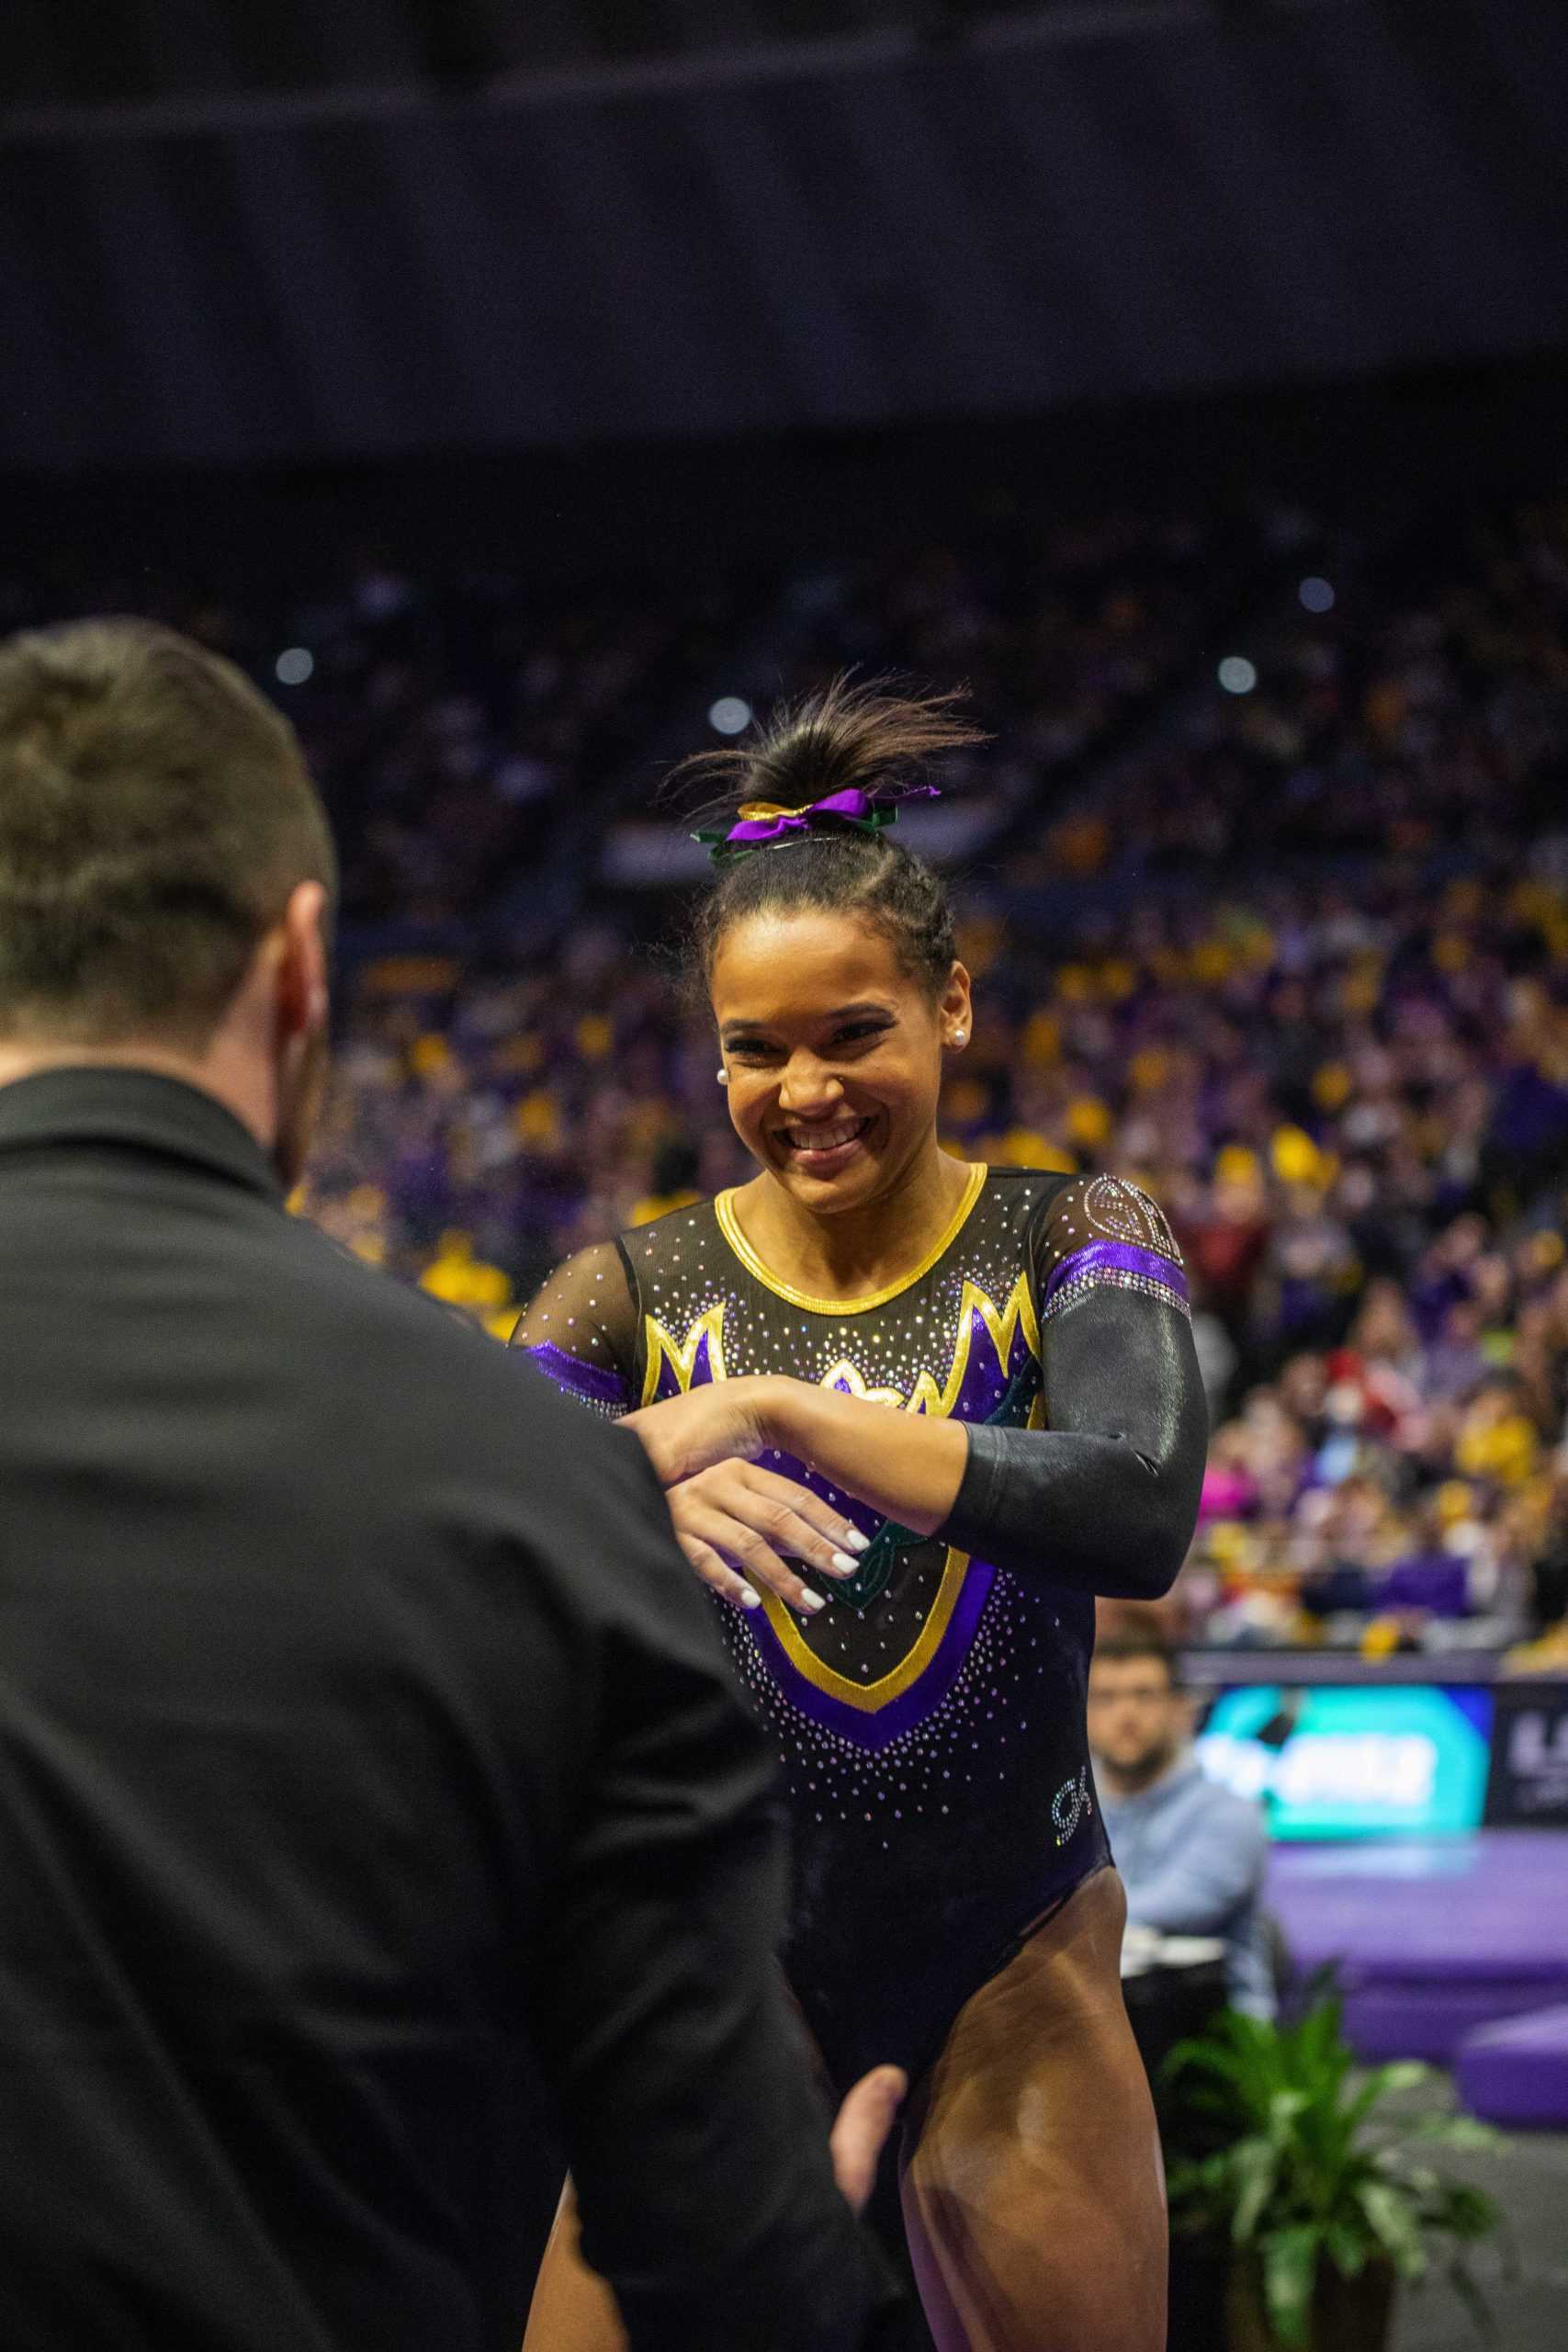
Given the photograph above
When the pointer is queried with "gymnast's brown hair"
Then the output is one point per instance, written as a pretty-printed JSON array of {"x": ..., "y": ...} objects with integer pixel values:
[{"x": 850, "y": 738}]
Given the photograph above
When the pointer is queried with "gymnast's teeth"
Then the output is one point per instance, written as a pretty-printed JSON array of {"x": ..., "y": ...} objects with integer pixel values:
[{"x": 824, "y": 1138}]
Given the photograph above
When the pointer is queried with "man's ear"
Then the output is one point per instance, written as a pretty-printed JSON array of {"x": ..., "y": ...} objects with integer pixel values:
[{"x": 303, "y": 999}]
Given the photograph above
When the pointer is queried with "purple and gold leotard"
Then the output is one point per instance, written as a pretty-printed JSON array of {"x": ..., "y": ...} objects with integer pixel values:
[{"x": 929, "y": 1722}]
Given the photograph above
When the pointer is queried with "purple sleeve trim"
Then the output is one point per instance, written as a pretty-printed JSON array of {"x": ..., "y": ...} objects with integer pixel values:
[
  {"x": 1107, "y": 1260},
  {"x": 589, "y": 1381}
]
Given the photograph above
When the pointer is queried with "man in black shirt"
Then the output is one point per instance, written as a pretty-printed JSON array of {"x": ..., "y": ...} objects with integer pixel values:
[{"x": 368, "y": 1766}]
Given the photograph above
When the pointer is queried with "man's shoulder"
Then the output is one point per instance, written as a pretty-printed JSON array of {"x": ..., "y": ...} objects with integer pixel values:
[
  {"x": 448, "y": 1423},
  {"x": 392, "y": 1329},
  {"x": 318, "y": 1266}
]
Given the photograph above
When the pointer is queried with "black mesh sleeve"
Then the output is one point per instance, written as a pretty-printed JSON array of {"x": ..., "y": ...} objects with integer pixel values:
[
  {"x": 581, "y": 1330},
  {"x": 1105, "y": 1498}
]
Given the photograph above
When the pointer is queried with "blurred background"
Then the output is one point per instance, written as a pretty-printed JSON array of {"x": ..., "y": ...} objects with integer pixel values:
[{"x": 527, "y": 396}]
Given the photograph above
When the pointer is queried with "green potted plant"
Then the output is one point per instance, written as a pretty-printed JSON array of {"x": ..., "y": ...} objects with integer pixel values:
[{"x": 1276, "y": 2147}]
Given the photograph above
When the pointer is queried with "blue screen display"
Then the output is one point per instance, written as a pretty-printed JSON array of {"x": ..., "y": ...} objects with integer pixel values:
[{"x": 1361, "y": 1760}]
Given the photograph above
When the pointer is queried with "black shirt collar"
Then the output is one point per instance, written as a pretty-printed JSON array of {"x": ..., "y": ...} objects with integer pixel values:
[{"x": 139, "y": 1108}]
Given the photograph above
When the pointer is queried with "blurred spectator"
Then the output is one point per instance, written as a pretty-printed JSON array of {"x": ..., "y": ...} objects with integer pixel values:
[
  {"x": 676, "y": 1167},
  {"x": 1191, "y": 1854}
]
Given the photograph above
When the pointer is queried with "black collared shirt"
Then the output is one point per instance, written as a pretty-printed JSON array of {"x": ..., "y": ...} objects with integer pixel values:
[{"x": 368, "y": 1773}]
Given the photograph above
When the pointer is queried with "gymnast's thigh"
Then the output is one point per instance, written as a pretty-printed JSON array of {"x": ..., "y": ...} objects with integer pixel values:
[
  {"x": 572, "y": 2309},
  {"x": 1033, "y": 2192}
]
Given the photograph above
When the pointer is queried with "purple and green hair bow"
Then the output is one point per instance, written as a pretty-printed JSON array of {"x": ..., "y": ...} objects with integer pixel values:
[{"x": 762, "y": 824}]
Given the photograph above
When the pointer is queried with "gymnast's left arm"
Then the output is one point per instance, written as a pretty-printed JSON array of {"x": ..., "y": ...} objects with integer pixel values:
[{"x": 1104, "y": 1498}]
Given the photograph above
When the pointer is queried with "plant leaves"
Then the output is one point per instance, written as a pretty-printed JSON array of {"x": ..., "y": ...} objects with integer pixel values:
[
  {"x": 1466, "y": 2133},
  {"x": 1303, "y": 2176},
  {"x": 1290, "y": 2276},
  {"x": 1289, "y": 2126},
  {"x": 1348, "y": 2248},
  {"x": 1393, "y": 2223},
  {"x": 1317, "y": 2055},
  {"x": 1202, "y": 2058},
  {"x": 1467, "y": 2213},
  {"x": 1404, "y": 2074},
  {"x": 1428, "y": 2187},
  {"x": 1255, "y": 2165}
]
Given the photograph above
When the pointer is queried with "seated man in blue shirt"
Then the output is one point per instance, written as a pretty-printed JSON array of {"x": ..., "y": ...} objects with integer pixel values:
[{"x": 1191, "y": 1853}]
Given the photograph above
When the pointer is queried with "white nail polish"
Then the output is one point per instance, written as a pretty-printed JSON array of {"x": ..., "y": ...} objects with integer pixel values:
[
  {"x": 749, "y": 1599},
  {"x": 811, "y": 1603},
  {"x": 842, "y": 1564},
  {"x": 856, "y": 1541}
]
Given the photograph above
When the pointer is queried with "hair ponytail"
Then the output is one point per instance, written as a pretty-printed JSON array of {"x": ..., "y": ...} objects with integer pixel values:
[{"x": 847, "y": 741}]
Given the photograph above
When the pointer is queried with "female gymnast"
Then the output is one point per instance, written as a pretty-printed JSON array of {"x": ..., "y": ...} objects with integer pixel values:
[{"x": 912, "y": 1414}]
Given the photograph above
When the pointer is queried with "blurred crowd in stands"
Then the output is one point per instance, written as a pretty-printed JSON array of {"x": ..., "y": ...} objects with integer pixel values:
[{"x": 1275, "y": 919}]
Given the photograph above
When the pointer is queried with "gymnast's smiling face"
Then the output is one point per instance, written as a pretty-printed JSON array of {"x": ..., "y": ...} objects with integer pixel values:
[{"x": 833, "y": 1050}]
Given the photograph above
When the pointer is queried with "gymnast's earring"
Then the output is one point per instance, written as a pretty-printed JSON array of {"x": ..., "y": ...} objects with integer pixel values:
[
  {"x": 723, "y": 1077},
  {"x": 958, "y": 1037}
]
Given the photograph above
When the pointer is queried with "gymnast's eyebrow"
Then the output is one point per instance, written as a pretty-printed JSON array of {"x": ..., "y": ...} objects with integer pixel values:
[{"x": 734, "y": 1030}]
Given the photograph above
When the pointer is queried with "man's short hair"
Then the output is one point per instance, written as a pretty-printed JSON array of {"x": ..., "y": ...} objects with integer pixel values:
[
  {"x": 155, "y": 813},
  {"x": 1136, "y": 1637}
]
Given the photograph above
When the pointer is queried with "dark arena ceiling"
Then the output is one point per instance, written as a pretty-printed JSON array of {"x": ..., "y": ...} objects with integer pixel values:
[
  {"x": 285, "y": 231},
  {"x": 82, "y": 52}
]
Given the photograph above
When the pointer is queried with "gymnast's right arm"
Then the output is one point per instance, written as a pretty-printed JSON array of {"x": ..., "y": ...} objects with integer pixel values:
[
  {"x": 580, "y": 1330},
  {"x": 734, "y": 1521}
]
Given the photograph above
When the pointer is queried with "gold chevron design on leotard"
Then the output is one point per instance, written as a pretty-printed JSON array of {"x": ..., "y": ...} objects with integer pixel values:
[
  {"x": 849, "y": 1378},
  {"x": 681, "y": 1355},
  {"x": 868, "y": 1697},
  {"x": 1001, "y": 1328}
]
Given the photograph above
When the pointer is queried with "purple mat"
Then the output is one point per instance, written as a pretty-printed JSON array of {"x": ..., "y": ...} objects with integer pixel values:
[
  {"x": 1517, "y": 2073},
  {"x": 1432, "y": 1939}
]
